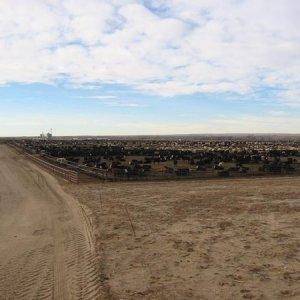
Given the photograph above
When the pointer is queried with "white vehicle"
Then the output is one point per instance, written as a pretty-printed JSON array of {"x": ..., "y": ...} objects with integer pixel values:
[{"x": 61, "y": 160}]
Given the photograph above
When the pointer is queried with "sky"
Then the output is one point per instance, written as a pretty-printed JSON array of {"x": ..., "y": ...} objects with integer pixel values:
[{"x": 121, "y": 67}]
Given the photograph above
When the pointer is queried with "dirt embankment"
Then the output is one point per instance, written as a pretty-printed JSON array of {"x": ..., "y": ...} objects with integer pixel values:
[
  {"x": 218, "y": 239},
  {"x": 46, "y": 250}
]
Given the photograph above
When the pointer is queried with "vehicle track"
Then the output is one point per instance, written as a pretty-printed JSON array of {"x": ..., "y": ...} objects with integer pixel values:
[{"x": 46, "y": 251}]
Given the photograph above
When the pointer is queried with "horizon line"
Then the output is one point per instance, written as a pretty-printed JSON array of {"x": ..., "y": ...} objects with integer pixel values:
[{"x": 147, "y": 135}]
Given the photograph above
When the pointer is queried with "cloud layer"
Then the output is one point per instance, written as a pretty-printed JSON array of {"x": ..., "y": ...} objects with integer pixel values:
[{"x": 169, "y": 47}]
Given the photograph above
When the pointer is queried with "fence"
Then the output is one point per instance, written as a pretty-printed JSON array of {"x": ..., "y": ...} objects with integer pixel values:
[
  {"x": 66, "y": 174},
  {"x": 89, "y": 171},
  {"x": 69, "y": 175}
]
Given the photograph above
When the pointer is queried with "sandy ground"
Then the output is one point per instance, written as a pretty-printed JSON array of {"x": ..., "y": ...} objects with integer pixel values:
[
  {"x": 214, "y": 239},
  {"x": 45, "y": 247}
]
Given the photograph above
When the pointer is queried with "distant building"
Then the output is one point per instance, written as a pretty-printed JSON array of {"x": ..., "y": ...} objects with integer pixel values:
[{"x": 47, "y": 136}]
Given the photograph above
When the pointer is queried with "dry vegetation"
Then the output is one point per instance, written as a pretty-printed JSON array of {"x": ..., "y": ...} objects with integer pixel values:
[{"x": 215, "y": 239}]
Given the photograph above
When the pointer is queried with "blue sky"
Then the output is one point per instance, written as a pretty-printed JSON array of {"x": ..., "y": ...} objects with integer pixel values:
[{"x": 149, "y": 67}]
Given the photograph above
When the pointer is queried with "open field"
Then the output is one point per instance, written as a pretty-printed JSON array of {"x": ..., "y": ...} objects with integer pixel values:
[
  {"x": 214, "y": 239},
  {"x": 46, "y": 250}
]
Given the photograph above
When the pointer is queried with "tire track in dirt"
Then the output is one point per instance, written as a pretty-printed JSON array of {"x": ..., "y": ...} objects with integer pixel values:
[{"x": 46, "y": 251}]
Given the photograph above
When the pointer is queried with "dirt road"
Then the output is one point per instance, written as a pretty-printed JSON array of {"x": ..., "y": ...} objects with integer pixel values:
[{"x": 45, "y": 247}]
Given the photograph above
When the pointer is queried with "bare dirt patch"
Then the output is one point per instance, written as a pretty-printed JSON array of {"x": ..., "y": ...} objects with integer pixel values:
[{"x": 217, "y": 239}]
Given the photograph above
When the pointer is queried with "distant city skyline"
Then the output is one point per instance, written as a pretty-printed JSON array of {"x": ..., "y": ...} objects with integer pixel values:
[{"x": 102, "y": 67}]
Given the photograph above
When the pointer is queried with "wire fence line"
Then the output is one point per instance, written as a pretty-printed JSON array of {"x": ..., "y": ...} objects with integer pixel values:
[{"x": 67, "y": 174}]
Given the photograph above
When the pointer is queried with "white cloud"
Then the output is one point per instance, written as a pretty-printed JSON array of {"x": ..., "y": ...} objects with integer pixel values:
[
  {"x": 166, "y": 47},
  {"x": 291, "y": 97},
  {"x": 112, "y": 100},
  {"x": 99, "y": 97}
]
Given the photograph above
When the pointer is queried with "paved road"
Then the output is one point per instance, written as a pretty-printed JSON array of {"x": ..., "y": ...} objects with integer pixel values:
[{"x": 45, "y": 245}]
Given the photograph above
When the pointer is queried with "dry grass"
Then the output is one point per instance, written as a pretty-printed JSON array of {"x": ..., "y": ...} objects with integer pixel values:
[{"x": 217, "y": 239}]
